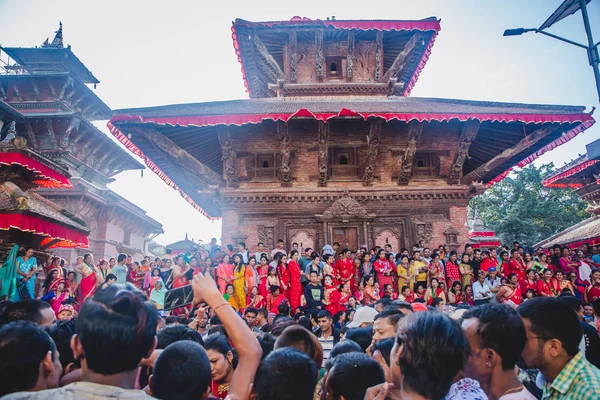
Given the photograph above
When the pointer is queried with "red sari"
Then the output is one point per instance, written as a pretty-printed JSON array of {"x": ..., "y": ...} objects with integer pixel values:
[
  {"x": 283, "y": 273},
  {"x": 295, "y": 285},
  {"x": 87, "y": 286},
  {"x": 438, "y": 293},
  {"x": 545, "y": 287},
  {"x": 345, "y": 270},
  {"x": 332, "y": 299},
  {"x": 382, "y": 267},
  {"x": 224, "y": 276},
  {"x": 452, "y": 273},
  {"x": 262, "y": 286}
]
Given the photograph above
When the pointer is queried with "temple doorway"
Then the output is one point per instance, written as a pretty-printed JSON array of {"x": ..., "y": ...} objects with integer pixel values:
[
  {"x": 346, "y": 237},
  {"x": 387, "y": 236}
]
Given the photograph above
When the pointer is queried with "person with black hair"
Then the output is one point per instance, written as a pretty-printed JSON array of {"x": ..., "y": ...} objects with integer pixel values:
[
  {"x": 262, "y": 322},
  {"x": 362, "y": 336},
  {"x": 61, "y": 333},
  {"x": 344, "y": 347},
  {"x": 380, "y": 351},
  {"x": 182, "y": 371},
  {"x": 31, "y": 310},
  {"x": 250, "y": 315},
  {"x": 385, "y": 323},
  {"x": 267, "y": 343},
  {"x": 171, "y": 320},
  {"x": 284, "y": 309},
  {"x": 313, "y": 293},
  {"x": 403, "y": 306},
  {"x": 429, "y": 352},
  {"x": 301, "y": 339},
  {"x": 590, "y": 343},
  {"x": 328, "y": 336},
  {"x": 120, "y": 270},
  {"x": 115, "y": 331},
  {"x": 29, "y": 361},
  {"x": 286, "y": 374},
  {"x": 496, "y": 335},
  {"x": 219, "y": 349},
  {"x": 352, "y": 375},
  {"x": 175, "y": 333},
  {"x": 553, "y": 335}
]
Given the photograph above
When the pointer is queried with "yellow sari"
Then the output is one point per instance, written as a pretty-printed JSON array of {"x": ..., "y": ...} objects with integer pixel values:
[{"x": 238, "y": 285}]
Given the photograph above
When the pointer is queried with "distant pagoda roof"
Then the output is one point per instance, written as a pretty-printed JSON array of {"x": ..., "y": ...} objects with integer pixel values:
[
  {"x": 504, "y": 124},
  {"x": 569, "y": 175},
  {"x": 275, "y": 34},
  {"x": 480, "y": 236},
  {"x": 585, "y": 232}
]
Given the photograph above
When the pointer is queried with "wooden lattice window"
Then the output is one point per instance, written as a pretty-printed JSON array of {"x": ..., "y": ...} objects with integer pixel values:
[
  {"x": 266, "y": 166},
  {"x": 343, "y": 162},
  {"x": 426, "y": 165},
  {"x": 334, "y": 67}
]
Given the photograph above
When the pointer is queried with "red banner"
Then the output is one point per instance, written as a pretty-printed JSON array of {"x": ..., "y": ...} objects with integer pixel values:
[
  {"x": 37, "y": 226},
  {"x": 45, "y": 176}
]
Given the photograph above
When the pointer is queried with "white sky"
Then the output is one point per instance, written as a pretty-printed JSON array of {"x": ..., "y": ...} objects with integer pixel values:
[{"x": 148, "y": 53}]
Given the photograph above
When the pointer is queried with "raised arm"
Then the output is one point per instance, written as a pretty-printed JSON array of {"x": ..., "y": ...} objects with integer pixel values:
[{"x": 242, "y": 338}]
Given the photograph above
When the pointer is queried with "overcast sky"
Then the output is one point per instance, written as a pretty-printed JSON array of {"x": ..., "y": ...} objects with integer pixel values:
[{"x": 148, "y": 53}]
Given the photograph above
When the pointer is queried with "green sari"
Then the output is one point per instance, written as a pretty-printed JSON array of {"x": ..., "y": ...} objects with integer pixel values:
[{"x": 8, "y": 276}]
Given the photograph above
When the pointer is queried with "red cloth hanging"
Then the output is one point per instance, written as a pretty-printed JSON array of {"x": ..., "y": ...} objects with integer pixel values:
[
  {"x": 45, "y": 176},
  {"x": 29, "y": 223}
]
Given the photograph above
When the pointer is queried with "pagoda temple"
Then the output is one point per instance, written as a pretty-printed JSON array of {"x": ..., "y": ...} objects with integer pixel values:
[
  {"x": 331, "y": 148},
  {"x": 26, "y": 218},
  {"x": 583, "y": 176},
  {"x": 48, "y": 86}
]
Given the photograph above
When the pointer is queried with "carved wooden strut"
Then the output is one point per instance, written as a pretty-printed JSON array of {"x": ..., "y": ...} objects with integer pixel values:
[
  {"x": 401, "y": 58},
  {"x": 372, "y": 150},
  {"x": 350, "y": 56},
  {"x": 284, "y": 143},
  {"x": 229, "y": 172},
  {"x": 468, "y": 135},
  {"x": 319, "y": 57},
  {"x": 293, "y": 56},
  {"x": 323, "y": 152},
  {"x": 415, "y": 129}
]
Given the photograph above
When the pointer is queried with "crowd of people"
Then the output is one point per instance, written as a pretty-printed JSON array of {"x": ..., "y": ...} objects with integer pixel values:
[{"x": 330, "y": 323}]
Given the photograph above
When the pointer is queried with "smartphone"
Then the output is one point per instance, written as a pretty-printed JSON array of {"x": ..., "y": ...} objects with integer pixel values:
[{"x": 175, "y": 298}]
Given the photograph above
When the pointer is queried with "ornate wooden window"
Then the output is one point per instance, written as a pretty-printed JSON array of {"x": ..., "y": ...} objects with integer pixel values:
[
  {"x": 266, "y": 166},
  {"x": 343, "y": 163},
  {"x": 334, "y": 67},
  {"x": 426, "y": 165},
  {"x": 127, "y": 237}
]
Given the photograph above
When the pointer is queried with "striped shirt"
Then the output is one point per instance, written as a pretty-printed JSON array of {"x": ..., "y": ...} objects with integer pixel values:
[
  {"x": 578, "y": 380},
  {"x": 327, "y": 345}
]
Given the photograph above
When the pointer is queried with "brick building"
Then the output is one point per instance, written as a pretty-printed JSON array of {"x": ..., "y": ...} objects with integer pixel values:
[
  {"x": 329, "y": 147},
  {"x": 48, "y": 85}
]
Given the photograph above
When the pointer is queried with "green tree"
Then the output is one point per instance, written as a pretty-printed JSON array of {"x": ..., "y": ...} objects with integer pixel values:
[{"x": 521, "y": 208}]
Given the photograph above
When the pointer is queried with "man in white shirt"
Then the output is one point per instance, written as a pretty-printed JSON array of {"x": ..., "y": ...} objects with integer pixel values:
[
  {"x": 493, "y": 282},
  {"x": 279, "y": 249},
  {"x": 244, "y": 252},
  {"x": 481, "y": 291},
  {"x": 260, "y": 249}
]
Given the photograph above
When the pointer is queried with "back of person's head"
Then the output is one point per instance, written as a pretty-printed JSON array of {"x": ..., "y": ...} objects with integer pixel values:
[
  {"x": 175, "y": 333},
  {"x": 26, "y": 352},
  {"x": 362, "y": 336},
  {"x": 575, "y": 303},
  {"x": 116, "y": 330},
  {"x": 384, "y": 347},
  {"x": 171, "y": 320},
  {"x": 61, "y": 333},
  {"x": 121, "y": 258},
  {"x": 552, "y": 318},
  {"x": 352, "y": 374},
  {"x": 217, "y": 329},
  {"x": 283, "y": 308},
  {"x": 305, "y": 322},
  {"x": 345, "y": 346},
  {"x": 302, "y": 339},
  {"x": 267, "y": 343},
  {"x": 501, "y": 329},
  {"x": 28, "y": 310},
  {"x": 400, "y": 305},
  {"x": 286, "y": 374},
  {"x": 432, "y": 349},
  {"x": 182, "y": 371},
  {"x": 392, "y": 316}
]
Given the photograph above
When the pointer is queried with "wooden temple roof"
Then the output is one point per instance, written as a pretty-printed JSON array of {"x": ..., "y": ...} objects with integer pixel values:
[
  {"x": 585, "y": 232},
  {"x": 193, "y": 128},
  {"x": 275, "y": 36}
]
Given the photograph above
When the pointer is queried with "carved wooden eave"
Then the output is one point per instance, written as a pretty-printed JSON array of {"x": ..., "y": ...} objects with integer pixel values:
[
  {"x": 345, "y": 209},
  {"x": 340, "y": 88},
  {"x": 479, "y": 173},
  {"x": 468, "y": 135},
  {"x": 415, "y": 129}
]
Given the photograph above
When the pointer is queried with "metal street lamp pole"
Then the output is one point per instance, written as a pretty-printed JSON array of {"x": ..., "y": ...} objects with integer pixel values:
[{"x": 591, "y": 48}]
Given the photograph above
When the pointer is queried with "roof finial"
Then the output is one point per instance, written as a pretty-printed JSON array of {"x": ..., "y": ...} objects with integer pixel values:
[
  {"x": 58, "y": 38},
  {"x": 186, "y": 236}
]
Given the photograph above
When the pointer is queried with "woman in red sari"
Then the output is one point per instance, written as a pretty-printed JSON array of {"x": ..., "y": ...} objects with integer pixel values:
[
  {"x": 434, "y": 291},
  {"x": 510, "y": 293},
  {"x": 369, "y": 295},
  {"x": 452, "y": 270},
  {"x": 283, "y": 273},
  {"x": 545, "y": 285},
  {"x": 224, "y": 274},
  {"x": 383, "y": 269},
  {"x": 529, "y": 282},
  {"x": 88, "y": 283},
  {"x": 345, "y": 294},
  {"x": 295, "y": 284},
  {"x": 255, "y": 299},
  {"x": 331, "y": 296},
  {"x": 263, "y": 273}
]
